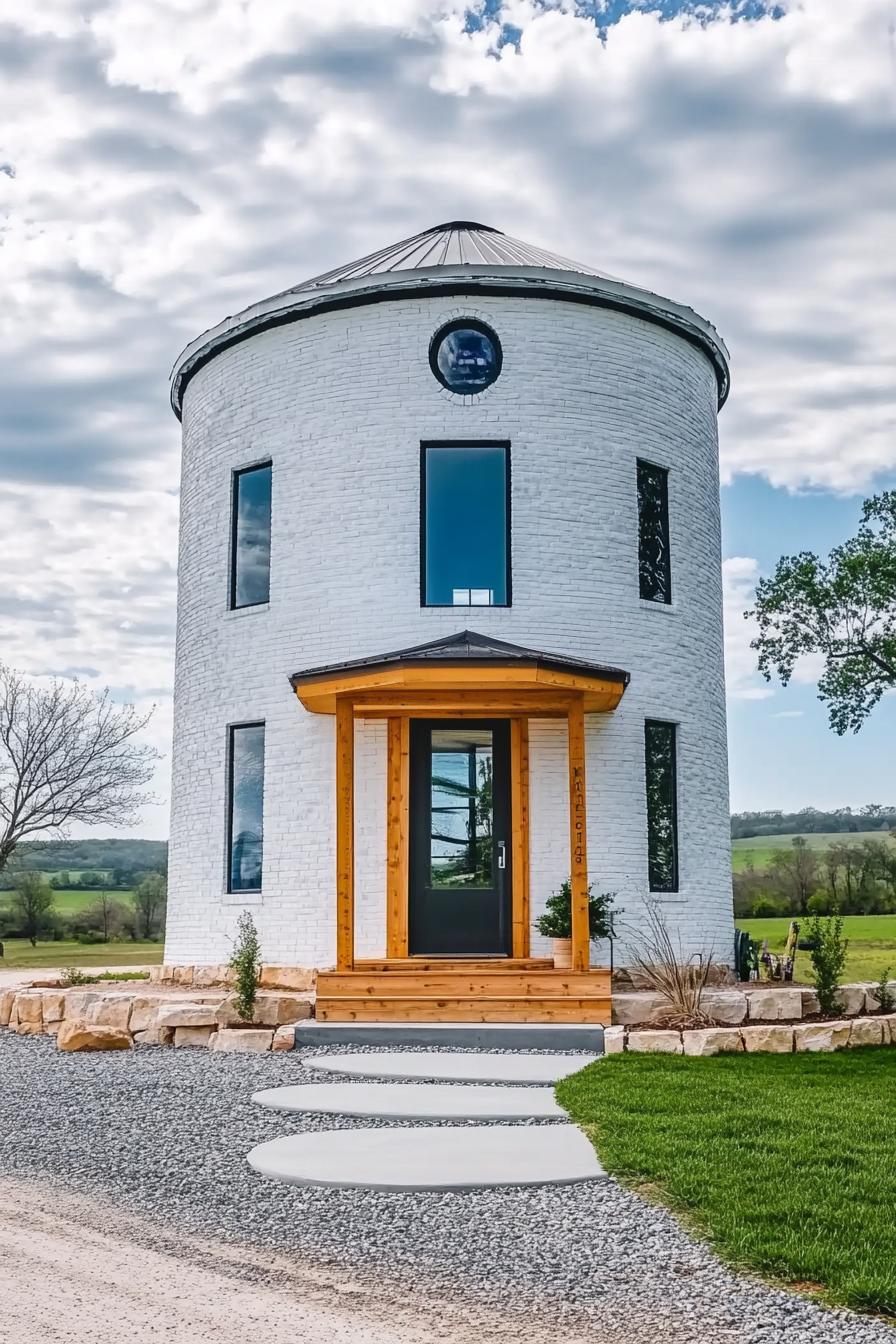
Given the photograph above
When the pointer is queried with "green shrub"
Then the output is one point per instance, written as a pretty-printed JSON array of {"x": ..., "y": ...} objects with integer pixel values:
[
  {"x": 764, "y": 907},
  {"x": 556, "y": 922},
  {"x": 828, "y": 959},
  {"x": 883, "y": 993},
  {"x": 246, "y": 961},
  {"x": 820, "y": 903}
]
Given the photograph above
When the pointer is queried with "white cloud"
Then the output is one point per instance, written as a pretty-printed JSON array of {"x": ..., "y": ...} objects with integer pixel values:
[
  {"x": 170, "y": 161},
  {"x": 739, "y": 576}
]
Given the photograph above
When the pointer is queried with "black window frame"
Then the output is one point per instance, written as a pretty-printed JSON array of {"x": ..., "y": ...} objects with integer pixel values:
[
  {"x": 235, "y": 476},
  {"x": 674, "y": 883},
  {"x": 233, "y": 728},
  {"x": 465, "y": 324},
  {"x": 643, "y": 463},
  {"x": 505, "y": 444}
]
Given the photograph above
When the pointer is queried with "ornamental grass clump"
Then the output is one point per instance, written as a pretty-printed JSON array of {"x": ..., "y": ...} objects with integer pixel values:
[
  {"x": 828, "y": 954},
  {"x": 681, "y": 980},
  {"x": 246, "y": 962}
]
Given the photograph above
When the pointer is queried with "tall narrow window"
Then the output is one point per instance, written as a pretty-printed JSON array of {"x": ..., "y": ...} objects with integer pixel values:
[
  {"x": 465, "y": 525},
  {"x": 250, "y": 561},
  {"x": 245, "y": 800},
  {"x": 662, "y": 806},
  {"x": 654, "y": 570}
]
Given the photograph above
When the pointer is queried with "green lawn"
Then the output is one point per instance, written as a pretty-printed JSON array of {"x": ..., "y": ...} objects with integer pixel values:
[
  {"x": 69, "y": 900},
  {"x": 872, "y": 943},
  {"x": 760, "y": 849},
  {"x": 785, "y": 1162},
  {"x": 18, "y": 952}
]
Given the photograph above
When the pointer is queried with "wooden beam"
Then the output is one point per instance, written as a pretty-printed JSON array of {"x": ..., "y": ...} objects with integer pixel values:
[
  {"x": 519, "y": 807},
  {"x": 397, "y": 789},
  {"x": 320, "y": 694},
  {"x": 457, "y": 704},
  {"x": 581, "y": 943},
  {"x": 345, "y": 835}
]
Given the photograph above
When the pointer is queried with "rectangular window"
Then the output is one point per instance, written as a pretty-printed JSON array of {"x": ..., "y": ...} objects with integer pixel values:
[
  {"x": 250, "y": 548},
  {"x": 654, "y": 569},
  {"x": 662, "y": 805},
  {"x": 245, "y": 807},
  {"x": 465, "y": 525}
]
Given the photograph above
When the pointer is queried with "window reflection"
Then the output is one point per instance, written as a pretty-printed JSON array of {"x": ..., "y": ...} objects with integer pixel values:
[
  {"x": 466, "y": 357},
  {"x": 246, "y": 806},
  {"x": 654, "y": 569},
  {"x": 251, "y": 561},
  {"x": 461, "y": 851},
  {"x": 662, "y": 810},
  {"x": 466, "y": 531}
]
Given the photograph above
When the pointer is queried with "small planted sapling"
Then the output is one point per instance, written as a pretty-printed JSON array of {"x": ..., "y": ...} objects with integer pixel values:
[
  {"x": 828, "y": 955},
  {"x": 246, "y": 962}
]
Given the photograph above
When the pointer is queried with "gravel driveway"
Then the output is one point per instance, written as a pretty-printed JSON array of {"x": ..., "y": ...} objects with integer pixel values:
[{"x": 164, "y": 1133}]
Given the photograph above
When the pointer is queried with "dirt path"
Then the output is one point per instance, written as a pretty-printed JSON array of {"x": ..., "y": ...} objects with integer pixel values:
[{"x": 74, "y": 1270}]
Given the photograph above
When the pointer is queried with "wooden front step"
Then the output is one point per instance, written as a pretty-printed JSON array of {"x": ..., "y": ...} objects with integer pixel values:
[
  {"x": 413, "y": 965},
  {"x": 462, "y": 992},
  {"x": 462, "y": 984},
  {"x": 395, "y": 1009}
]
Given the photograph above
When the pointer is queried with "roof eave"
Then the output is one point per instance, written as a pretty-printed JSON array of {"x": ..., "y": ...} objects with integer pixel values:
[{"x": 540, "y": 282}]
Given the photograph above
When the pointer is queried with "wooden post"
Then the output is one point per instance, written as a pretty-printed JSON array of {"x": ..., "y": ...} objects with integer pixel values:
[
  {"x": 581, "y": 943},
  {"x": 397, "y": 774},
  {"x": 519, "y": 796},
  {"x": 345, "y": 834}
]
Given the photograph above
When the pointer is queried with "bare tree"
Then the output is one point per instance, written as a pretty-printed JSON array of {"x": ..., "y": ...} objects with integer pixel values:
[
  {"x": 798, "y": 870},
  {"x": 66, "y": 755},
  {"x": 32, "y": 901}
]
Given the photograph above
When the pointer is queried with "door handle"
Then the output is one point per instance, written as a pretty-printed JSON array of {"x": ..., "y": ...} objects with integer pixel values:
[{"x": 502, "y": 854}]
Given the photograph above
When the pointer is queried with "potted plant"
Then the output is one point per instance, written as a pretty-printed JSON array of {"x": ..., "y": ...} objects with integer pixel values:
[{"x": 556, "y": 921}]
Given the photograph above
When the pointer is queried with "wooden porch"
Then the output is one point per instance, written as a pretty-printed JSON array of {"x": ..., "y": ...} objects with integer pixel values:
[{"x": 463, "y": 678}]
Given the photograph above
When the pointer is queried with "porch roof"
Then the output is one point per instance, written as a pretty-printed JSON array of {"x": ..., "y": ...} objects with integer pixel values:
[{"x": 465, "y": 664}]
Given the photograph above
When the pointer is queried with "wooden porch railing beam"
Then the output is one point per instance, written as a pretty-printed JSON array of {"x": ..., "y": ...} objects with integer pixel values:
[
  {"x": 581, "y": 945},
  {"x": 345, "y": 834}
]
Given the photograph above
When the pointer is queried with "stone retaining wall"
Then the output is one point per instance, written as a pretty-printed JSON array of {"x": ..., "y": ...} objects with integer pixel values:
[
  {"x": 770, "y": 1037},
  {"x": 151, "y": 1015},
  {"x": 747, "y": 1003},
  {"x": 300, "y": 979}
]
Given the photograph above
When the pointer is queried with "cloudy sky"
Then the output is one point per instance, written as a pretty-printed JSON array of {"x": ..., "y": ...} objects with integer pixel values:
[{"x": 165, "y": 162}]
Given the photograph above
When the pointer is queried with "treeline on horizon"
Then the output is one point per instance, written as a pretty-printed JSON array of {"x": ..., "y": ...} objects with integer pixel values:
[{"x": 813, "y": 821}]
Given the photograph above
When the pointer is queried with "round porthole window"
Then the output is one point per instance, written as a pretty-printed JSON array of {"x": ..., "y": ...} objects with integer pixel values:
[{"x": 465, "y": 356}]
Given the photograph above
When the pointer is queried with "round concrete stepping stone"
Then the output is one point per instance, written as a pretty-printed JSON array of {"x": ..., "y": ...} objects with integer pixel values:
[
  {"x": 415, "y": 1101},
  {"x": 455, "y": 1067},
  {"x": 457, "y": 1158}
]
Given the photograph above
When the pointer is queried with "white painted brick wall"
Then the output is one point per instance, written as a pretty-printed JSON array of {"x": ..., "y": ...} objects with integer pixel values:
[{"x": 340, "y": 403}]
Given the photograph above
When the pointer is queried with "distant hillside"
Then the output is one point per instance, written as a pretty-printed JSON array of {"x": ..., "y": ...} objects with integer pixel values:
[
  {"x": 56, "y": 856},
  {"x": 811, "y": 821}
]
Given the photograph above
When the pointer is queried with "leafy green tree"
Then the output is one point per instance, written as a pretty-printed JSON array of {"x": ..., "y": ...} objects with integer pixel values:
[
  {"x": 32, "y": 900},
  {"x": 842, "y": 608},
  {"x": 150, "y": 899}
]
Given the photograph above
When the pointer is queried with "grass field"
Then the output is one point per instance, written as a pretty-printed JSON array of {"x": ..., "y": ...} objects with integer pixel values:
[
  {"x": 759, "y": 850},
  {"x": 19, "y": 954},
  {"x": 872, "y": 944},
  {"x": 783, "y": 1161}
]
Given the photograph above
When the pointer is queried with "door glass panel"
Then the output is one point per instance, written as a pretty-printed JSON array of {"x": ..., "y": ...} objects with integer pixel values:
[{"x": 461, "y": 851}]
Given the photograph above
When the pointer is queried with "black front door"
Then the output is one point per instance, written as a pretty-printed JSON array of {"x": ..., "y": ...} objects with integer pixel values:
[{"x": 460, "y": 887}]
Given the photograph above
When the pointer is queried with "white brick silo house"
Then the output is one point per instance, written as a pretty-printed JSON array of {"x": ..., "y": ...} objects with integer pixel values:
[{"x": 467, "y": 444}]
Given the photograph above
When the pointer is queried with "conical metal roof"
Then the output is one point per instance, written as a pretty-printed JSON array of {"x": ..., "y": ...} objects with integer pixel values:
[
  {"x": 460, "y": 242},
  {"x": 461, "y": 259}
]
